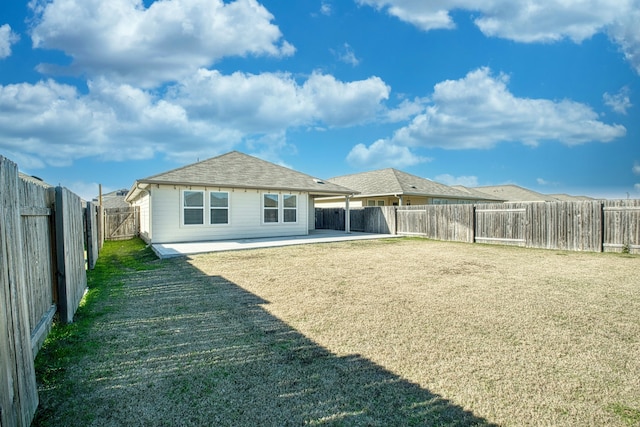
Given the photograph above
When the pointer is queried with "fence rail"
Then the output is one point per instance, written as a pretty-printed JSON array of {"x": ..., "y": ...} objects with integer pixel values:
[{"x": 593, "y": 226}]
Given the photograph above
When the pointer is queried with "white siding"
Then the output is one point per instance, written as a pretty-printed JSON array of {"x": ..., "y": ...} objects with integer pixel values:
[
  {"x": 245, "y": 217},
  {"x": 143, "y": 204},
  {"x": 312, "y": 214}
]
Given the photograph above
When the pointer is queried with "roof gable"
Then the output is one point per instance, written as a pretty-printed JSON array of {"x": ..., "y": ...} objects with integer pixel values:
[{"x": 239, "y": 170}]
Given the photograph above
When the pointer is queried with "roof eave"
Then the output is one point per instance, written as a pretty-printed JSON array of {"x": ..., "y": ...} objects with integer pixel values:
[{"x": 314, "y": 191}]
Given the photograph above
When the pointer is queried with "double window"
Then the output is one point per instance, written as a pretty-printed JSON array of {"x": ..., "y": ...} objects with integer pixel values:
[
  {"x": 279, "y": 208},
  {"x": 193, "y": 203}
]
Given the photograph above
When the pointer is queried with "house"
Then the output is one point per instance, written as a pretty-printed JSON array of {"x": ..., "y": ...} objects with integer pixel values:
[
  {"x": 231, "y": 196},
  {"x": 514, "y": 194},
  {"x": 389, "y": 187},
  {"x": 113, "y": 199}
]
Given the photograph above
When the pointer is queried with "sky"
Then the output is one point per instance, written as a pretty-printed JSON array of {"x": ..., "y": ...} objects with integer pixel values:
[{"x": 544, "y": 94}]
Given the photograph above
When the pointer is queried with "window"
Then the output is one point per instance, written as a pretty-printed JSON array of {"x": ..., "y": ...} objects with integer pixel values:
[
  {"x": 219, "y": 207},
  {"x": 193, "y": 207},
  {"x": 271, "y": 208},
  {"x": 371, "y": 202},
  {"x": 290, "y": 208}
]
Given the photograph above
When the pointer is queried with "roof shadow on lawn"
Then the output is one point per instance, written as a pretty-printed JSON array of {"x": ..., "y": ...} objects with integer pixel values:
[{"x": 183, "y": 348}]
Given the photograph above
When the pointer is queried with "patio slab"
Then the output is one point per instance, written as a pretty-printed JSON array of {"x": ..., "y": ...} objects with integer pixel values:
[{"x": 170, "y": 250}]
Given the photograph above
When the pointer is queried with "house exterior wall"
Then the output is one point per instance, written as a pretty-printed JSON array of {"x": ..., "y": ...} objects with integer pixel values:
[
  {"x": 360, "y": 202},
  {"x": 245, "y": 217},
  {"x": 143, "y": 203}
]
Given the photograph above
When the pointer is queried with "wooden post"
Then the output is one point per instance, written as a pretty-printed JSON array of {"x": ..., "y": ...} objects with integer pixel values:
[
  {"x": 18, "y": 390},
  {"x": 63, "y": 306}
]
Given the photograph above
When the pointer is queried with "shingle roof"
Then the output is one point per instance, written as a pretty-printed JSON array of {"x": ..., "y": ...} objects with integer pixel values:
[
  {"x": 394, "y": 182},
  {"x": 514, "y": 193},
  {"x": 239, "y": 170},
  {"x": 570, "y": 198}
]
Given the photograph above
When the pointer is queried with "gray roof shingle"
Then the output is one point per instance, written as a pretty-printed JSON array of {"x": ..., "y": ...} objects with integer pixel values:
[
  {"x": 239, "y": 170},
  {"x": 394, "y": 182},
  {"x": 514, "y": 193}
]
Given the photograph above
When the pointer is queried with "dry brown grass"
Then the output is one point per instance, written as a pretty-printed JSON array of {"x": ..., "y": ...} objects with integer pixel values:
[{"x": 515, "y": 336}]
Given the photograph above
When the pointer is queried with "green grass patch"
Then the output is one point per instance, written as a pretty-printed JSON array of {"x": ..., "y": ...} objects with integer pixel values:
[
  {"x": 629, "y": 415},
  {"x": 68, "y": 343}
]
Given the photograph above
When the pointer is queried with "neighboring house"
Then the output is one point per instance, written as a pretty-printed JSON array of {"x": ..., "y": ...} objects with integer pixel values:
[
  {"x": 515, "y": 194},
  {"x": 389, "y": 187},
  {"x": 570, "y": 198},
  {"x": 114, "y": 199},
  {"x": 228, "y": 197}
]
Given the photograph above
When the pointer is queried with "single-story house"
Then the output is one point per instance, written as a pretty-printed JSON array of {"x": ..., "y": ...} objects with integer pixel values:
[
  {"x": 511, "y": 193},
  {"x": 231, "y": 196},
  {"x": 113, "y": 199},
  {"x": 392, "y": 187}
]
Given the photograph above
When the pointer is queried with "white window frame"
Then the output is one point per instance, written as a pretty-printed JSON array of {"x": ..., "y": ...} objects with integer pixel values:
[
  {"x": 276, "y": 209},
  {"x": 212, "y": 208},
  {"x": 280, "y": 209},
  {"x": 285, "y": 208},
  {"x": 192, "y": 208}
]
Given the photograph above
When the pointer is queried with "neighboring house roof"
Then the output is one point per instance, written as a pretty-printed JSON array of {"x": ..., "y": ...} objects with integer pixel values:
[
  {"x": 392, "y": 182},
  {"x": 478, "y": 194},
  {"x": 514, "y": 193},
  {"x": 114, "y": 199},
  {"x": 34, "y": 180},
  {"x": 239, "y": 170},
  {"x": 570, "y": 198}
]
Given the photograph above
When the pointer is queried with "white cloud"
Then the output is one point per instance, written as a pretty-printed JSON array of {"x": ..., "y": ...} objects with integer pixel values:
[
  {"x": 123, "y": 40},
  {"x": 478, "y": 111},
  {"x": 346, "y": 55},
  {"x": 618, "y": 102},
  {"x": 326, "y": 9},
  {"x": 530, "y": 21},
  {"x": 637, "y": 187},
  {"x": 467, "y": 181},
  {"x": 636, "y": 168},
  {"x": 383, "y": 154},
  {"x": 7, "y": 39},
  {"x": 55, "y": 124}
]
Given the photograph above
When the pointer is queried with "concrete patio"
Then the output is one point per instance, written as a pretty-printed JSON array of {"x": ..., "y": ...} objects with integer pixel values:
[{"x": 170, "y": 250}]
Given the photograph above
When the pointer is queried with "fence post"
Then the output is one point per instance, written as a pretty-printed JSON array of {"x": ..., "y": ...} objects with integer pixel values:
[{"x": 602, "y": 228}]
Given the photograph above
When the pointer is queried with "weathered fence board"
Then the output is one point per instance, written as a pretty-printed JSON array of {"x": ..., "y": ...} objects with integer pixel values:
[
  {"x": 121, "y": 223},
  {"x": 380, "y": 219},
  {"x": 18, "y": 390},
  {"x": 72, "y": 275},
  {"x": 440, "y": 222},
  {"x": 91, "y": 234},
  {"x": 621, "y": 226},
  {"x": 37, "y": 237},
  {"x": 501, "y": 224}
]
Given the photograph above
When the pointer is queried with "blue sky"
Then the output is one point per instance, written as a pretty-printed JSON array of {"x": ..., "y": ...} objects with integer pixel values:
[{"x": 542, "y": 94}]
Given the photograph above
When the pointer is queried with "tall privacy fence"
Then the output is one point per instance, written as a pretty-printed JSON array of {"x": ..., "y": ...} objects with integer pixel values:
[
  {"x": 594, "y": 226},
  {"x": 45, "y": 234}
]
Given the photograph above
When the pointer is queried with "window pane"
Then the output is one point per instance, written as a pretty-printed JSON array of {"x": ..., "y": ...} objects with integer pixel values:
[
  {"x": 270, "y": 200},
  {"x": 290, "y": 215},
  {"x": 219, "y": 216},
  {"x": 380, "y": 202},
  {"x": 290, "y": 201},
  {"x": 194, "y": 198},
  {"x": 271, "y": 215},
  {"x": 371, "y": 203},
  {"x": 193, "y": 216},
  {"x": 219, "y": 200}
]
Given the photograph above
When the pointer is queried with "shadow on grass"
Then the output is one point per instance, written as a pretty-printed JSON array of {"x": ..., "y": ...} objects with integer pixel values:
[{"x": 183, "y": 348}]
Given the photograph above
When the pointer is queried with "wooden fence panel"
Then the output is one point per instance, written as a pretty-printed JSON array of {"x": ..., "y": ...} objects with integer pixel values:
[
  {"x": 18, "y": 390},
  {"x": 574, "y": 226},
  {"x": 121, "y": 223},
  {"x": 330, "y": 218},
  {"x": 621, "y": 226},
  {"x": 356, "y": 219},
  {"x": 380, "y": 219},
  {"x": 501, "y": 224},
  {"x": 91, "y": 234},
  {"x": 72, "y": 275},
  {"x": 37, "y": 236}
]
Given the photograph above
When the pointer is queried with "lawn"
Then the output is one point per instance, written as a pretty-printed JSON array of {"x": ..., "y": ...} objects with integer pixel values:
[{"x": 388, "y": 332}]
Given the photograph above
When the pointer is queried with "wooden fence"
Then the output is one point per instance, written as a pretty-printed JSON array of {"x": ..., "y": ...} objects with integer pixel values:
[
  {"x": 594, "y": 226},
  {"x": 43, "y": 271},
  {"x": 121, "y": 223},
  {"x": 369, "y": 220}
]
